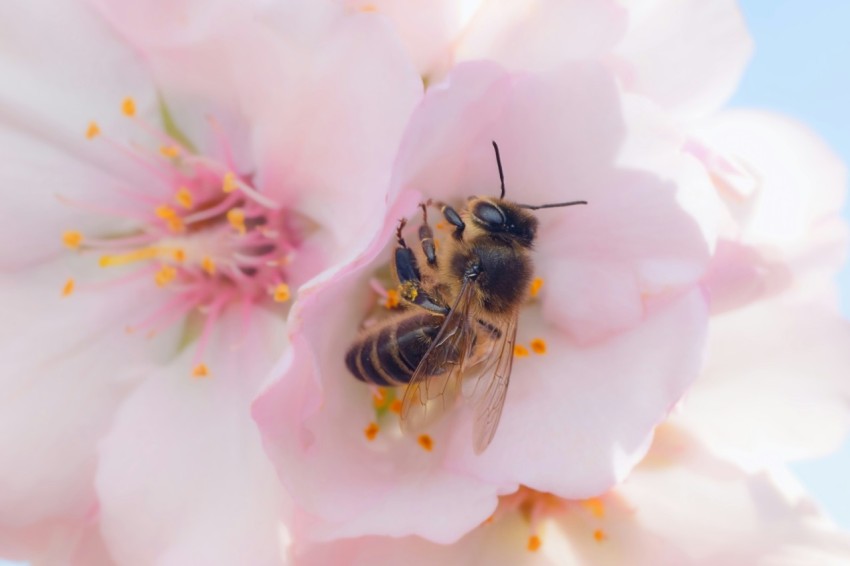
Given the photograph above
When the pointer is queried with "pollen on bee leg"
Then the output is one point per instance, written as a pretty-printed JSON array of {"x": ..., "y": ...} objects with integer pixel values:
[
  {"x": 200, "y": 370},
  {"x": 538, "y": 346},
  {"x": 68, "y": 288},
  {"x": 92, "y": 131},
  {"x": 72, "y": 239},
  {"x": 281, "y": 293},
  {"x": 425, "y": 442},
  {"x": 534, "y": 543},
  {"x": 520, "y": 351},
  {"x": 128, "y": 107},
  {"x": 536, "y": 284},
  {"x": 371, "y": 431}
]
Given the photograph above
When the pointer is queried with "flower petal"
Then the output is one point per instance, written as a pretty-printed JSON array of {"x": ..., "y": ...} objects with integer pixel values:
[{"x": 182, "y": 476}]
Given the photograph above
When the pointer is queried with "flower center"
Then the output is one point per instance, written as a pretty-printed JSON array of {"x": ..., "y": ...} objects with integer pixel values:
[{"x": 202, "y": 232}]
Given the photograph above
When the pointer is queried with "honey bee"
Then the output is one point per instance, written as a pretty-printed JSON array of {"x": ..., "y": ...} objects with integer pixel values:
[{"x": 456, "y": 332}]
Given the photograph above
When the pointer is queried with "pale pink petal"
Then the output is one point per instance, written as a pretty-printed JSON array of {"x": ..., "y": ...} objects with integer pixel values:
[
  {"x": 182, "y": 476},
  {"x": 65, "y": 369},
  {"x": 541, "y": 34},
  {"x": 686, "y": 55},
  {"x": 596, "y": 405},
  {"x": 69, "y": 543},
  {"x": 775, "y": 386}
]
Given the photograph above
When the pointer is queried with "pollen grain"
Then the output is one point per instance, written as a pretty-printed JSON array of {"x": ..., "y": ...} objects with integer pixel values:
[
  {"x": 371, "y": 431},
  {"x": 534, "y": 543},
  {"x": 538, "y": 346},
  {"x": 425, "y": 442}
]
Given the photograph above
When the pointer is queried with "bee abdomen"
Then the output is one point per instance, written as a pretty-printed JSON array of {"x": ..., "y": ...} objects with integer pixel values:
[{"x": 390, "y": 355}]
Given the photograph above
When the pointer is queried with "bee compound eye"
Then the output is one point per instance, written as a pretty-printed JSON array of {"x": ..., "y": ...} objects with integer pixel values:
[{"x": 489, "y": 214}]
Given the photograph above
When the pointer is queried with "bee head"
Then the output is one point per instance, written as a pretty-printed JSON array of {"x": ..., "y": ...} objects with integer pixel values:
[{"x": 503, "y": 219}]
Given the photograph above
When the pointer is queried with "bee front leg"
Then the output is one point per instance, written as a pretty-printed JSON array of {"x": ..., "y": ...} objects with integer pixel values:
[
  {"x": 452, "y": 217},
  {"x": 426, "y": 238},
  {"x": 410, "y": 278}
]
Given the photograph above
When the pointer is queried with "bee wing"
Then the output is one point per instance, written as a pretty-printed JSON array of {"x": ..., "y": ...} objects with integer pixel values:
[
  {"x": 435, "y": 384},
  {"x": 491, "y": 385}
]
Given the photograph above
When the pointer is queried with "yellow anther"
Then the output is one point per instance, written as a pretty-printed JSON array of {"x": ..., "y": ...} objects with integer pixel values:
[
  {"x": 393, "y": 299},
  {"x": 520, "y": 351},
  {"x": 184, "y": 198},
  {"x": 595, "y": 506},
  {"x": 538, "y": 346},
  {"x": 425, "y": 442},
  {"x": 131, "y": 257},
  {"x": 165, "y": 275},
  {"x": 379, "y": 398},
  {"x": 599, "y": 535},
  {"x": 68, "y": 288},
  {"x": 534, "y": 543},
  {"x": 178, "y": 255},
  {"x": 200, "y": 370},
  {"x": 371, "y": 431},
  {"x": 228, "y": 182},
  {"x": 368, "y": 8},
  {"x": 165, "y": 212},
  {"x": 92, "y": 131},
  {"x": 72, "y": 239},
  {"x": 174, "y": 224},
  {"x": 208, "y": 265},
  {"x": 236, "y": 217},
  {"x": 536, "y": 284},
  {"x": 281, "y": 293},
  {"x": 395, "y": 406},
  {"x": 128, "y": 107},
  {"x": 169, "y": 151}
]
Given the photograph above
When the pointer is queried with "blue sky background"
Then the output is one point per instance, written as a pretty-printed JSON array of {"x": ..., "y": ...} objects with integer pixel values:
[{"x": 801, "y": 68}]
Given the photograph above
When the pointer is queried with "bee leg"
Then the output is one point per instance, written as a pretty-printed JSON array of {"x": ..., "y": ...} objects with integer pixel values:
[
  {"x": 426, "y": 238},
  {"x": 452, "y": 217},
  {"x": 410, "y": 279}
]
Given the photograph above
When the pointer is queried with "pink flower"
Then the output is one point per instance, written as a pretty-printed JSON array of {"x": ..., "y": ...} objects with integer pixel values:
[
  {"x": 209, "y": 189},
  {"x": 681, "y": 505},
  {"x": 607, "y": 346}
]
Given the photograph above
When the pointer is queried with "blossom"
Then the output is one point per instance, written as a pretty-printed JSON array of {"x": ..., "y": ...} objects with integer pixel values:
[
  {"x": 167, "y": 207},
  {"x": 731, "y": 517},
  {"x": 602, "y": 373}
]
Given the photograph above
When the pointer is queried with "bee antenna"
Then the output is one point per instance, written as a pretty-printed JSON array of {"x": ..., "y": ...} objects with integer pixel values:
[
  {"x": 501, "y": 175},
  {"x": 553, "y": 205}
]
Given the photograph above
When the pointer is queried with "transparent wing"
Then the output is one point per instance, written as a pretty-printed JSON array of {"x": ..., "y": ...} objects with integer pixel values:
[
  {"x": 435, "y": 384},
  {"x": 491, "y": 384}
]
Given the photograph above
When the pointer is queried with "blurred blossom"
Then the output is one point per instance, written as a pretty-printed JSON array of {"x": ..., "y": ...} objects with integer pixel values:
[{"x": 200, "y": 203}]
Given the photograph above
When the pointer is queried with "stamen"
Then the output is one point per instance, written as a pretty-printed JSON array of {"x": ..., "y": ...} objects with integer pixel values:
[
  {"x": 538, "y": 345},
  {"x": 165, "y": 212},
  {"x": 281, "y": 293},
  {"x": 92, "y": 131},
  {"x": 72, "y": 239},
  {"x": 179, "y": 255},
  {"x": 208, "y": 265},
  {"x": 520, "y": 351},
  {"x": 425, "y": 442},
  {"x": 184, "y": 198},
  {"x": 236, "y": 217},
  {"x": 536, "y": 284},
  {"x": 128, "y": 107},
  {"x": 169, "y": 151},
  {"x": 200, "y": 370},
  {"x": 599, "y": 535},
  {"x": 371, "y": 431},
  {"x": 393, "y": 299},
  {"x": 228, "y": 182},
  {"x": 534, "y": 543},
  {"x": 131, "y": 257},
  {"x": 165, "y": 275},
  {"x": 595, "y": 506},
  {"x": 68, "y": 288}
]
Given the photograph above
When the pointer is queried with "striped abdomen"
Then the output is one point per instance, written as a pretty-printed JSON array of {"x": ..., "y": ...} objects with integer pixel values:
[{"x": 389, "y": 355}]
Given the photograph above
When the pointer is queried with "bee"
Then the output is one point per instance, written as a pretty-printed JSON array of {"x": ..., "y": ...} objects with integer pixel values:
[{"x": 456, "y": 332}]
